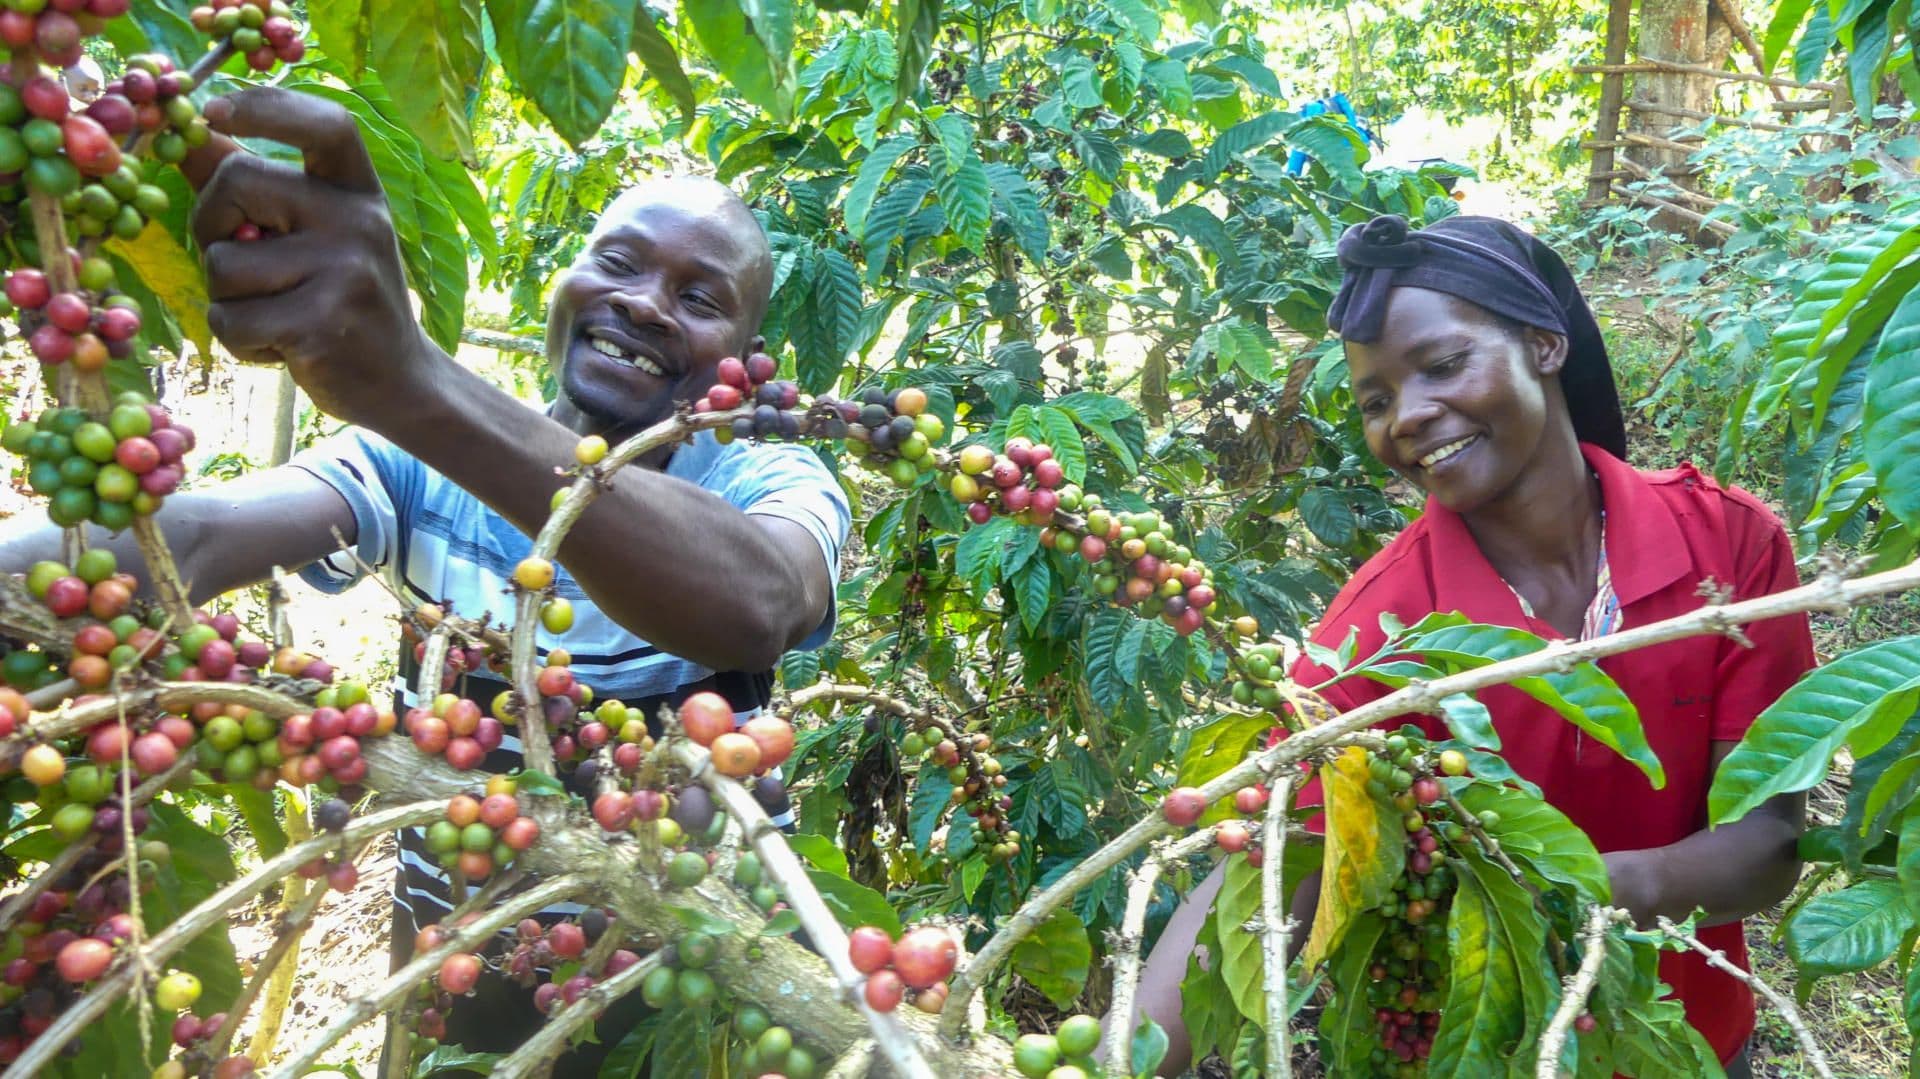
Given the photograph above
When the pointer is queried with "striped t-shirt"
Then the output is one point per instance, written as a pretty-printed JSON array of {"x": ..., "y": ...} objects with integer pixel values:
[{"x": 435, "y": 542}]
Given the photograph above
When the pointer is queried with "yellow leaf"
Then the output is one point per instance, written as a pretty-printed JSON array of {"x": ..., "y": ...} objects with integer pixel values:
[
  {"x": 174, "y": 276},
  {"x": 1365, "y": 853}
]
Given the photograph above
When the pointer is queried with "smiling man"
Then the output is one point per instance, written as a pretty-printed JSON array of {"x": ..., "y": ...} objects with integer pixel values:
[{"x": 696, "y": 571}]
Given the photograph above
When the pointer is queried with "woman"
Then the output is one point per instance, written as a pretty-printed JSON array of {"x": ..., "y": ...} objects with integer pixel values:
[{"x": 1482, "y": 379}]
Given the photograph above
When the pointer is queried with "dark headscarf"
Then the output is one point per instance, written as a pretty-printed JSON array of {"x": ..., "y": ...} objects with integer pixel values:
[{"x": 1496, "y": 266}]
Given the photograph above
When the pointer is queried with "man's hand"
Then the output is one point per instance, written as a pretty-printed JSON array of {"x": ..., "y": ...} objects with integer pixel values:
[{"x": 325, "y": 291}]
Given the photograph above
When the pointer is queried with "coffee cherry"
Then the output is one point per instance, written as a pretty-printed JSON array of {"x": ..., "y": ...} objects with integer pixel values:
[
  {"x": 1453, "y": 762},
  {"x": 925, "y": 956},
  {"x": 459, "y": 973},
  {"x": 869, "y": 948},
  {"x": 1232, "y": 836},
  {"x": 533, "y": 574},
  {"x": 884, "y": 990},
  {"x": 1183, "y": 806},
  {"x": 735, "y": 755},
  {"x": 705, "y": 716}
]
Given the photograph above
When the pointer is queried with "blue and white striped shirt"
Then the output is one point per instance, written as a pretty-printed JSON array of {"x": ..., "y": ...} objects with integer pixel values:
[{"x": 435, "y": 542}]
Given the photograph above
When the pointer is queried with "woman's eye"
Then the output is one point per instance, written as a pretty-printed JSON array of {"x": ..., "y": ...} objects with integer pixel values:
[
  {"x": 613, "y": 263},
  {"x": 1373, "y": 406},
  {"x": 702, "y": 301}
]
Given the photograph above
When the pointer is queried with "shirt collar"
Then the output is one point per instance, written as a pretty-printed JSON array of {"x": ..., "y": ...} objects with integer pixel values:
[{"x": 1646, "y": 550}]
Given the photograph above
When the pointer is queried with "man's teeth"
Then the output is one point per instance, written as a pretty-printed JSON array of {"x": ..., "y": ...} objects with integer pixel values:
[
  {"x": 1445, "y": 452},
  {"x": 608, "y": 348}
]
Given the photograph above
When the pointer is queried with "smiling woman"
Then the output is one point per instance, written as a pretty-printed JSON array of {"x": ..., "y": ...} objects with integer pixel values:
[
  {"x": 674, "y": 279},
  {"x": 1482, "y": 379}
]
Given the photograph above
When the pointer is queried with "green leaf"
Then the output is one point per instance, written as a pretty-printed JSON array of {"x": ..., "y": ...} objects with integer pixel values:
[
  {"x": 1333, "y": 143},
  {"x": 733, "y": 44},
  {"x": 873, "y": 172},
  {"x": 628, "y": 1057},
  {"x": 1055, "y": 957},
  {"x": 781, "y": 924},
  {"x": 1789, "y": 745},
  {"x": 173, "y": 276},
  {"x": 1787, "y": 17},
  {"x": 1148, "y": 1048},
  {"x": 1036, "y": 588},
  {"x": 1240, "y": 138},
  {"x": 1541, "y": 839},
  {"x": 1328, "y": 516},
  {"x": 1657, "y": 1041},
  {"x": 1242, "y": 961},
  {"x": 963, "y": 193},
  {"x": 532, "y": 781},
  {"x": 1469, "y": 721},
  {"x": 1891, "y": 426},
  {"x": 854, "y": 904},
  {"x": 1907, "y": 864},
  {"x": 257, "y": 809},
  {"x": 1017, "y": 201},
  {"x": 824, "y": 853},
  {"x": 340, "y": 27},
  {"x": 1100, "y": 153},
  {"x": 661, "y": 61},
  {"x": 1217, "y": 747},
  {"x": 1057, "y": 429},
  {"x": 1080, "y": 82},
  {"x": 1197, "y": 223},
  {"x": 1866, "y": 59},
  {"x": 568, "y": 57},
  {"x": 429, "y": 55},
  {"x": 915, "y": 24},
  {"x": 1584, "y": 696},
  {"x": 1501, "y": 983},
  {"x": 453, "y": 1058},
  {"x": 1815, "y": 42},
  {"x": 1853, "y": 929},
  {"x": 1144, "y": 21},
  {"x": 1348, "y": 1021}
]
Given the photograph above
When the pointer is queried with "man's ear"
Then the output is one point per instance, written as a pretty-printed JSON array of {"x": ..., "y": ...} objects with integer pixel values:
[{"x": 1548, "y": 350}]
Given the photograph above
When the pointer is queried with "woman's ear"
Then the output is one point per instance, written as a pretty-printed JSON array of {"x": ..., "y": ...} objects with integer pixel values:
[{"x": 1548, "y": 350}]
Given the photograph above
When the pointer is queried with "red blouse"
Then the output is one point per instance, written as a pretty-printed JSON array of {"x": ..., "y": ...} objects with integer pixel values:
[{"x": 1667, "y": 533}]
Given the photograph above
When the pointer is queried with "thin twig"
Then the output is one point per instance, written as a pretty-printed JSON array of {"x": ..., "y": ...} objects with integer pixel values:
[
  {"x": 1276, "y": 925},
  {"x": 1125, "y": 944},
  {"x": 547, "y": 1045},
  {"x": 1816, "y": 1058},
  {"x": 1577, "y": 988},
  {"x": 783, "y": 869},
  {"x": 465, "y": 938},
  {"x": 855, "y": 1063}
]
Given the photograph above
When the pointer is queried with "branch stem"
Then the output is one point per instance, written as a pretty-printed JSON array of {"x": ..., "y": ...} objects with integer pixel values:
[
  {"x": 1816, "y": 1057},
  {"x": 1577, "y": 988},
  {"x": 541, "y": 1049},
  {"x": 1276, "y": 925},
  {"x": 1126, "y": 945}
]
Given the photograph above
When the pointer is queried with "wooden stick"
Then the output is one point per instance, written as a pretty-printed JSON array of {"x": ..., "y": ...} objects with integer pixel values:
[
  {"x": 1693, "y": 198},
  {"x": 1698, "y": 220},
  {"x": 1730, "y": 14},
  {"x": 1612, "y": 90},
  {"x": 1643, "y": 105},
  {"x": 1697, "y": 69}
]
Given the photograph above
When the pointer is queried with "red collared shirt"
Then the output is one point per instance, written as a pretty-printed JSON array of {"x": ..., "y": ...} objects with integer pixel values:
[{"x": 1667, "y": 533}]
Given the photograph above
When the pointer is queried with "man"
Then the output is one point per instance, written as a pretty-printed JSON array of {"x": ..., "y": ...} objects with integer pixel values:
[{"x": 695, "y": 572}]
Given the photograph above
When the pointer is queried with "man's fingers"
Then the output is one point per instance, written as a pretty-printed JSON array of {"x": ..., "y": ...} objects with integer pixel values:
[
  {"x": 246, "y": 188},
  {"x": 202, "y": 160},
  {"x": 260, "y": 330},
  {"x": 264, "y": 267},
  {"x": 322, "y": 131}
]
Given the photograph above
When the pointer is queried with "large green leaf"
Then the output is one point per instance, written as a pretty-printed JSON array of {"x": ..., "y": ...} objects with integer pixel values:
[
  {"x": 960, "y": 182},
  {"x": 340, "y": 26},
  {"x": 1541, "y": 839},
  {"x": 874, "y": 170},
  {"x": 568, "y": 57},
  {"x": 1814, "y": 45},
  {"x": 429, "y": 55},
  {"x": 733, "y": 44},
  {"x": 853, "y": 904},
  {"x": 1584, "y": 695},
  {"x": 915, "y": 24},
  {"x": 1891, "y": 280},
  {"x": 1242, "y": 959},
  {"x": 1240, "y": 138},
  {"x": 662, "y": 60},
  {"x": 1787, "y": 17},
  {"x": 1892, "y": 422},
  {"x": 1656, "y": 1042},
  {"x": 1852, "y": 929},
  {"x": 1334, "y": 144},
  {"x": 1789, "y": 745},
  {"x": 1055, "y": 957},
  {"x": 1501, "y": 984},
  {"x": 1348, "y": 1023},
  {"x": 1907, "y": 864},
  {"x": 174, "y": 278},
  {"x": 1218, "y": 746}
]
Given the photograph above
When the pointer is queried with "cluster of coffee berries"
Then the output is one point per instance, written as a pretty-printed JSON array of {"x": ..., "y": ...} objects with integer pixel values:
[
  {"x": 56, "y": 31},
  {"x": 478, "y": 835},
  {"x": 1026, "y": 482},
  {"x": 1137, "y": 561},
  {"x": 1237, "y": 836},
  {"x": 770, "y": 1050},
  {"x": 921, "y": 959},
  {"x": 979, "y": 782},
  {"x": 1257, "y": 676},
  {"x": 892, "y": 433},
  {"x": 1067, "y": 1053},
  {"x": 117, "y": 204},
  {"x": 454, "y": 727},
  {"x": 195, "y": 1036},
  {"x": 108, "y": 473},
  {"x": 152, "y": 99},
  {"x": 460, "y": 660},
  {"x": 319, "y": 748},
  {"x": 66, "y": 937},
  {"x": 762, "y": 744},
  {"x": 260, "y": 30},
  {"x": 751, "y": 878}
]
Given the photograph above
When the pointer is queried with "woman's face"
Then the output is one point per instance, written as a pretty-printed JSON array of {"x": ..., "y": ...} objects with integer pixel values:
[{"x": 1455, "y": 400}]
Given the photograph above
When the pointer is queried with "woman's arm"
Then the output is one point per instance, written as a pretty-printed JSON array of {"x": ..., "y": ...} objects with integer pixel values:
[{"x": 1730, "y": 872}]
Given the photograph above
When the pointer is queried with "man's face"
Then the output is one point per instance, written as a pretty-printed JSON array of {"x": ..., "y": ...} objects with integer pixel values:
[{"x": 673, "y": 280}]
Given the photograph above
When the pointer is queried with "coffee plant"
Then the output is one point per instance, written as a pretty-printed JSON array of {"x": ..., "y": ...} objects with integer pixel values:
[{"x": 1060, "y": 686}]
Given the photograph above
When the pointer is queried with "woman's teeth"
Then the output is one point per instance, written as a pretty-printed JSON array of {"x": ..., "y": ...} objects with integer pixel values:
[
  {"x": 608, "y": 348},
  {"x": 1445, "y": 452}
]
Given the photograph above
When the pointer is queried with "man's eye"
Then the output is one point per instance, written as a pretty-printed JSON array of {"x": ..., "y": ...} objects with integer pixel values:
[
  {"x": 1373, "y": 406},
  {"x": 614, "y": 263},
  {"x": 702, "y": 301}
]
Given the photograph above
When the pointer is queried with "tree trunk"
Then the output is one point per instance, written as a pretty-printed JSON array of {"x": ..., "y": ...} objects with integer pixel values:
[{"x": 1681, "y": 32}]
